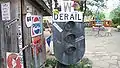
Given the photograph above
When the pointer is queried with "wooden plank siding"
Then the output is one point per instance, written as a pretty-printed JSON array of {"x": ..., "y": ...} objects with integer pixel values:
[{"x": 8, "y": 36}]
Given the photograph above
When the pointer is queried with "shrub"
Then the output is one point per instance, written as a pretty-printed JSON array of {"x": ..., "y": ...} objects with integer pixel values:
[
  {"x": 51, "y": 62},
  {"x": 84, "y": 63},
  {"x": 114, "y": 25}
]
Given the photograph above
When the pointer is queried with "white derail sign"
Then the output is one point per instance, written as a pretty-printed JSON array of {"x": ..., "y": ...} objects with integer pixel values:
[{"x": 67, "y": 13}]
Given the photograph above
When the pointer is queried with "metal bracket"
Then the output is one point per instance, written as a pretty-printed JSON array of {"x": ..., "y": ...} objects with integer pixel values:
[{"x": 9, "y": 23}]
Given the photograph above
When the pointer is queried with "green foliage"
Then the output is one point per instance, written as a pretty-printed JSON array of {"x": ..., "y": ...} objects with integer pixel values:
[
  {"x": 88, "y": 12},
  {"x": 51, "y": 62},
  {"x": 116, "y": 20},
  {"x": 98, "y": 3},
  {"x": 84, "y": 63},
  {"x": 115, "y": 13},
  {"x": 101, "y": 15},
  {"x": 115, "y": 16},
  {"x": 114, "y": 25}
]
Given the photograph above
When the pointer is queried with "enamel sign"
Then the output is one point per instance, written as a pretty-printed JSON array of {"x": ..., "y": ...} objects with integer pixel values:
[
  {"x": 36, "y": 28},
  {"x": 13, "y": 60},
  {"x": 5, "y": 8},
  {"x": 28, "y": 20}
]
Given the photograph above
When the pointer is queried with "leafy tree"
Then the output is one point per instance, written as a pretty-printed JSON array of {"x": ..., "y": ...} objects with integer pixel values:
[
  {"x": 115, "y": 15},
  {"x": 99, "y": 4},
  {"x": 100, "y": 15},
  {"x": 88, "y": 12}
]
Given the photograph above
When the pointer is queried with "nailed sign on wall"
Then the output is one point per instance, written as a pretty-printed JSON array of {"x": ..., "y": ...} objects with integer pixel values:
[
  {"x": 13, "y": 60},
  {"x": 36, "y": 28},
  {"x": 5, "y": 8}
]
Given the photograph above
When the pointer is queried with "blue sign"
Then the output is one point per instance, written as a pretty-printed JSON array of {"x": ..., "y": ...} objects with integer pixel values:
[{"x": 36, "y": 28}]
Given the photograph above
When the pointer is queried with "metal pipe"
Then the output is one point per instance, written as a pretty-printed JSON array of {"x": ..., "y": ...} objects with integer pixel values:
[{"x": 22, "y": 26}]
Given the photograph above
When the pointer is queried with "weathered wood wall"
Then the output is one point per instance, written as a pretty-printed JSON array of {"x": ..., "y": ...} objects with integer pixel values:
[
  {"x": 9, "y": 41},
  {"x": 42, "y": 56},
  {"x": 8, "y": 35}
]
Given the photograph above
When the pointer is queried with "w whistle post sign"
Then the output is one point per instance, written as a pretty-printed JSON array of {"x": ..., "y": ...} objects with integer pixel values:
[
  {"x": 13, "y": 60},
  {"x": 36, "y": 28}
]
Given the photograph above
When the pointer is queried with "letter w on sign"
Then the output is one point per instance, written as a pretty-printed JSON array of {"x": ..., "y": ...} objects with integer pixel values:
[{"x": 66, "y": 6}]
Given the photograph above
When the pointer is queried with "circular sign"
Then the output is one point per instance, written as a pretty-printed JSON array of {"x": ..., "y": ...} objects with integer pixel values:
[
  {"x": 13, "y": 61},
  {"x": 28, "y": 20}
]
